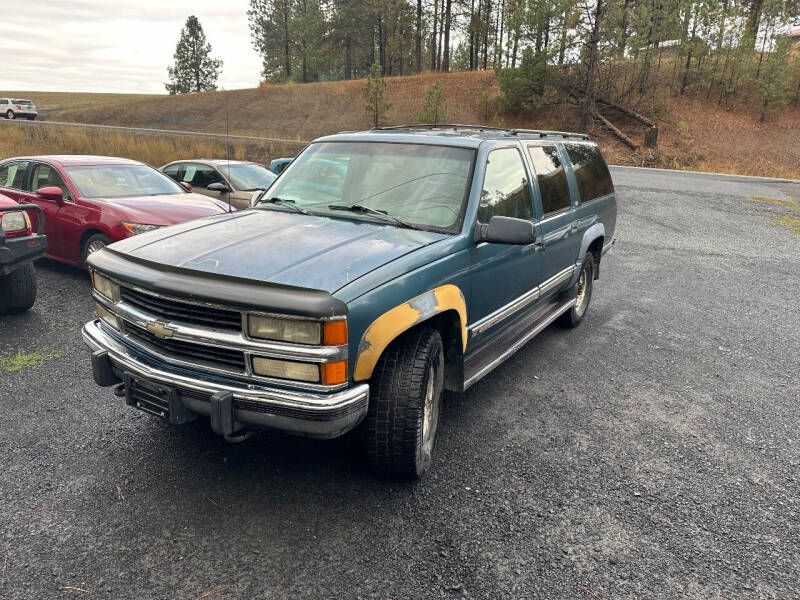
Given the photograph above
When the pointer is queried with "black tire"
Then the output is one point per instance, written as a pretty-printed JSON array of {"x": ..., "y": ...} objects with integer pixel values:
[
  {"x": 407, "y": 384},
  {"x": 574, "y": 315},
  {"x": 10, "y": 114},
  {"x": 32, "y": 118},
  {"x": 91, "y": 245},
  {"x": 19, "y": 290}
]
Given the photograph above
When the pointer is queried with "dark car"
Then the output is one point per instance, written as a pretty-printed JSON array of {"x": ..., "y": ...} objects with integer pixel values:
[
  {"x": 438, "y": 253},
  {"x": 20, "y": 245},
  {"x": 92, "y": 201}
]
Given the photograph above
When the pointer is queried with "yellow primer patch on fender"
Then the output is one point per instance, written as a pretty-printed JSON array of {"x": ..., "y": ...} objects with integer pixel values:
[{"x": 392, "y": 323}]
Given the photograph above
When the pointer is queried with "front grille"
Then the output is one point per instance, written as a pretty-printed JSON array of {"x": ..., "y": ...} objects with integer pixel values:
[
  {"x": 169, "y": 309},
  {"x": 211, "y": 355}
]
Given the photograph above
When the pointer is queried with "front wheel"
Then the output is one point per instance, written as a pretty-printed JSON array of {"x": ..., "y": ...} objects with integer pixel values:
[
  {"x": 582, "y": 292},
  {"x": 96, "y": 242},
  {"x": 400, "y": 427},
  {"x": 9, "y": 114},
  {"x": 19, "y": 290}
]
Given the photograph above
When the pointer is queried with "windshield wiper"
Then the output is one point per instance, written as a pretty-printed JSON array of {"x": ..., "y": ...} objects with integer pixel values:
[
  {"x": 360, "y": 208},
  {"x": 285, "y": 202}
]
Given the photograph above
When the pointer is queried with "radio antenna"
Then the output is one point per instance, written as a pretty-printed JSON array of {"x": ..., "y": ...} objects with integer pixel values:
[{"x": 228, "y": 147}]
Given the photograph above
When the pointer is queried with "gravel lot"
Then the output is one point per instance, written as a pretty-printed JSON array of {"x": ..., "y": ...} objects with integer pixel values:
[{"x": 651, "y": 453}]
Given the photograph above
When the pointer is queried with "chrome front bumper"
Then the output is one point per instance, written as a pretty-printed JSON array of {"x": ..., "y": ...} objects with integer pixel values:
[{"x": 303, "y": 413}]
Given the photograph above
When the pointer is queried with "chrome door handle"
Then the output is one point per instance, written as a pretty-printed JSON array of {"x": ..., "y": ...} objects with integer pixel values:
[{"x": 574, "y": 227}]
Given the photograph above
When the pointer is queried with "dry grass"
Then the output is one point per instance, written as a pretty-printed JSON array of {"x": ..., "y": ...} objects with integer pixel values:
[
  {"x": 693, "y": 135},
  {"x": 16, "y": 140}
]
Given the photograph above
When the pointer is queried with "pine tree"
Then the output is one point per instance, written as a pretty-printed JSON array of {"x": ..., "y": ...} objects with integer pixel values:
[
  {"x": 434, "y": 109},
  {"x": 375, "y": 103},
  {"x": 194, "y": 69}
]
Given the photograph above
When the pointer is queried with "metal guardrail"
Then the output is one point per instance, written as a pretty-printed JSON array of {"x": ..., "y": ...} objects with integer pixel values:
[{"x": 154, "y": 131}]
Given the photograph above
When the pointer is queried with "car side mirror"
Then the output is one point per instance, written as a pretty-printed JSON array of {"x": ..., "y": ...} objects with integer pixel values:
[
  {"x": 186, "y": 185},
  {"x": 217, "y": 187},
  {"x": 506, "y": 230},
  {"x": 51, "y": 192}
]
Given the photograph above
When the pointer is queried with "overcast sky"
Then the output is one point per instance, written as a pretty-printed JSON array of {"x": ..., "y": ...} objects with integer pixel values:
[{"x": 109, "y": 46}]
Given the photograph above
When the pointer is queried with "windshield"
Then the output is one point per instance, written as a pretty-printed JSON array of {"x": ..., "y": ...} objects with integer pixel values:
[
  {"x": 419, "y": 184},
  {"x": 248, "y": 178},
  {"x": 121, "y": 181}
]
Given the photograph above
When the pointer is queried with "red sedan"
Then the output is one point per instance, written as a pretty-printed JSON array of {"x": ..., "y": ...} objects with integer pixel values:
[{"x": 92, "y": 201}]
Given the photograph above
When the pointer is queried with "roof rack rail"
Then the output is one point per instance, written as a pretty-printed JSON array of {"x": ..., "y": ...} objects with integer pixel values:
[{"x": 541, "y": 133}]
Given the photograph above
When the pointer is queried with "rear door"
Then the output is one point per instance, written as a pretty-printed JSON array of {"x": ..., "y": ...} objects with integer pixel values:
[{"x": 556, "y": 229}]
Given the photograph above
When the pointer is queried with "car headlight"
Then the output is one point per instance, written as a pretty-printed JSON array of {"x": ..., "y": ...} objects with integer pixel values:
[
  {"x": 282, "y": 329},
  {"x": 106, "y": 315},
  {"x": 15, "y": 223},
  {"x": 137, "y": 228},
  {"x": 333, "y": 373},
  {"x": 105, "y": 287}
]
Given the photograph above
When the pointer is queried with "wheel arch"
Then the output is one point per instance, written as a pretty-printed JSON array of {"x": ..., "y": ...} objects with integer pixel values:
[
  {"x": 443, "y": 308},
  {"x": 593, "y": 242}
]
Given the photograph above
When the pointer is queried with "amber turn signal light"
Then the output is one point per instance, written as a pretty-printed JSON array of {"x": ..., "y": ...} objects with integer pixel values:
[
  {"x": 334, "y": 373},
  {"x": 335, "y": 333}
]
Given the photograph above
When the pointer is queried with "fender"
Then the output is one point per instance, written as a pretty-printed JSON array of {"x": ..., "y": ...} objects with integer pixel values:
[
  {"x": 383, "y": 330},
  {"x": 595, "y": 231}
]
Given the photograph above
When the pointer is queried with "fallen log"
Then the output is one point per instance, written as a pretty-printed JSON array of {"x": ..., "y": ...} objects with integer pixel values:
[
  {"x": 628, "y": 111},
  {"x": 615, "y": 130}
]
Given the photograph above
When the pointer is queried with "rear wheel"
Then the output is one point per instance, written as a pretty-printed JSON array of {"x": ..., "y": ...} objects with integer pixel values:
[
  {"x": 9, "y": 114},
  {"x": 96, "y": 242},
  {"x": 19, "y": 290},
  {"x": 582, "y": 292},
  {"x": 403, "y": 417}
]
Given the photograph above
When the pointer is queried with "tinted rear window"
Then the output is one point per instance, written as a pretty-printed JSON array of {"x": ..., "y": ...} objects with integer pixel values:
[
  {"x": 25, "y": 102},
  {"x": 591, "y": 171}
]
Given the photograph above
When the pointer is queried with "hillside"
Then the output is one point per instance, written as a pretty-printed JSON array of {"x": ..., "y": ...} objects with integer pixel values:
[{"x": 693, "y": 135}]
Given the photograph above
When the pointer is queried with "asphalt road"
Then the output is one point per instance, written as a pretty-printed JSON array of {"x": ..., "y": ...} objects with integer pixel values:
[{"x": 653, "y": 452}]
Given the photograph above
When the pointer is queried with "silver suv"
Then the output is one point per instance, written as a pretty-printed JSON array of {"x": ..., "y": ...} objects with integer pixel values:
[{"x": 11, "y": 108}]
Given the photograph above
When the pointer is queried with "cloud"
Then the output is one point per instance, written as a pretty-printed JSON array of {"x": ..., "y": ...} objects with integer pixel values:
[{"x": 96, "y": 46}]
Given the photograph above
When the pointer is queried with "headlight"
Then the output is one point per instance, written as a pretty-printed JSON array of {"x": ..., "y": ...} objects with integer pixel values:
[
  {"x": 329, "y": 333},
  {"x": 105, "y": 286},
  {"x": 106, "y": 315},
  {"x": 137, "y": 228},
  {"x": 284, "y": 369},
  {"x": 284, "y": 330},
  {"x": 15, "y": 223}
]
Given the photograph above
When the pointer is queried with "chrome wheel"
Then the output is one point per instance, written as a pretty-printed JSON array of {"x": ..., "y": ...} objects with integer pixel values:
[
  {"x": 10, "y": 114},
  {"x": 95, "y": 246},
  {"x": 582, "y": 296},
  {"x": 430, "y": 417}
]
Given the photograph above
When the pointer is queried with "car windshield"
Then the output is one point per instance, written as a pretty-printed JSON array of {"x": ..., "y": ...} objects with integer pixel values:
[
  {"x": 421, "y": 185},
  {"x": 248, "y": 178},
  {"x": 121, "y": 181}
]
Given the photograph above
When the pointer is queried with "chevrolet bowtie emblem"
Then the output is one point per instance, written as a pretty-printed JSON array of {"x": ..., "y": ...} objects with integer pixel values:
[{"x": 160, "y": 330}]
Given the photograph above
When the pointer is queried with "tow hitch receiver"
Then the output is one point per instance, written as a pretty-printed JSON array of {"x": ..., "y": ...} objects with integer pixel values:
[{"x": 156, "y": 399}]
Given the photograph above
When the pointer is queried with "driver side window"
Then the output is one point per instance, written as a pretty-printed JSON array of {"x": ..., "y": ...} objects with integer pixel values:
[
  {"x": 46, "y": 176},
  {"x": 201, "y": 176},
  {"x": 506, "y": 190}
]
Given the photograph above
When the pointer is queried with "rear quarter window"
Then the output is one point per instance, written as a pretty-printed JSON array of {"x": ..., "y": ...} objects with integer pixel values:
[{"x": 591, "y": 171}]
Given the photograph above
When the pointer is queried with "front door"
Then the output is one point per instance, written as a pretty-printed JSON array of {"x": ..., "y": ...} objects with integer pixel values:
[
  {"x": 200, "y": 176},
  {"x": 502, "y": 273},
  {"x": 43, "y": 175}
]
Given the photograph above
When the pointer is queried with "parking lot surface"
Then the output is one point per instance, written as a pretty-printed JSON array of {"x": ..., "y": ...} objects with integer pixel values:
[{"x": 653, "y": 452}]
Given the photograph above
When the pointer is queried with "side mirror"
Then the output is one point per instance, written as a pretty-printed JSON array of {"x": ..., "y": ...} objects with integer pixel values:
[
  {"x": 217, "y": 187},
  {"x": 51, "y": 193},
  {"x": 185, "y": 185},
  {"x": 506, "y": 230}
]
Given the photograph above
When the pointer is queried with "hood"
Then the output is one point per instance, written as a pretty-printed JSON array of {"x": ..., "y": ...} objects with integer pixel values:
[
  {"x": 168, "y": 209},
  {"x": 279, "y": 247}
]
